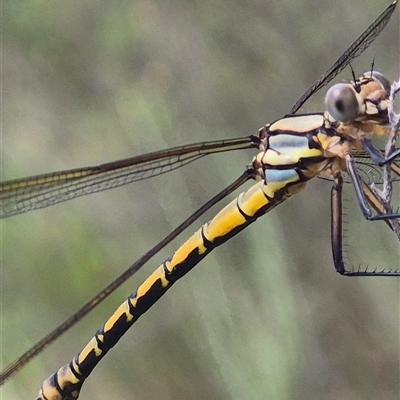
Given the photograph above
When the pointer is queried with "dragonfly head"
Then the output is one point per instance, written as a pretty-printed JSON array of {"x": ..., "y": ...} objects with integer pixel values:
[
  {"x": 363, "y": 101},
  {"x": 343, "y": 103}
]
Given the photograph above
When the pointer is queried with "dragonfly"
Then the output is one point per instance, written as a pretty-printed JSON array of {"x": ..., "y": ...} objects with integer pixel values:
[{"x": 42, "y": 191}]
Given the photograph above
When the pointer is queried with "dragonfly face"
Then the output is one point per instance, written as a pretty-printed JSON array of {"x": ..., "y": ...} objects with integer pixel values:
[
  {"x": 366, "y": 101},
  {"x": 60, "y": 252}
]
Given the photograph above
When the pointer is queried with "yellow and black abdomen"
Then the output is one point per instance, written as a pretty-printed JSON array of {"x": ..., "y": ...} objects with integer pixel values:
[{"x": 291, "y": 155}]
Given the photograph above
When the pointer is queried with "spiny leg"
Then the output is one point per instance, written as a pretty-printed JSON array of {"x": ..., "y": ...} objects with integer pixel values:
[
  {"x": 337, "y": 231},
  {"x": 362, "y": 201},
  {"x": 376, "y": 155}
]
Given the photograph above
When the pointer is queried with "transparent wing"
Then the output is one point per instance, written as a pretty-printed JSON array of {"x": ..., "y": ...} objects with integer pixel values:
[
  {"x": 370, "y": 173},
  {"x": 21, "y": 195},
  {"x": 356, "y": 48}
]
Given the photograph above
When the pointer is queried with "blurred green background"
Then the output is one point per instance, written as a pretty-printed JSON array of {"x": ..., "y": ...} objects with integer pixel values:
[{"x": 263, "y": 317}]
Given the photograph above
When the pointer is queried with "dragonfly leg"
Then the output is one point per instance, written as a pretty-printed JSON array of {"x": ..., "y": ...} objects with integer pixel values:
[
  {"x": 376, "y": 155},
  {"x": 337, "y": 224},
  {"x": 362, "y": 201},
  {"x": 337, "y": 235}
]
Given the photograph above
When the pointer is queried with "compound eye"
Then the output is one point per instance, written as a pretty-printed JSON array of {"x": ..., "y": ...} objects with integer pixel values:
[
  {"x": 341, "y": 102},
  {"x": 381, "y": 79}
]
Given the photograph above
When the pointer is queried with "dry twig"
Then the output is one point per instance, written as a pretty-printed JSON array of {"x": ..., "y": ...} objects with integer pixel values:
[{"x": 385, "y": 195}]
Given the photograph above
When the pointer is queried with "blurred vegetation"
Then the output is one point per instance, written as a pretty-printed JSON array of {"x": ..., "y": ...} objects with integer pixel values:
[{"x": 263, "y": 317}]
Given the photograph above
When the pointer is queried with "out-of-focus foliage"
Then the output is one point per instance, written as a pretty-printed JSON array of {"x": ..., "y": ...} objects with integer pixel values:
[{"x": 263, "y": 317}]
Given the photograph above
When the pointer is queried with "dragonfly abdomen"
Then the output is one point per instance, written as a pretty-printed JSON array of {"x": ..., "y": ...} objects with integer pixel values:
[{"x": 241, "y": 212}]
